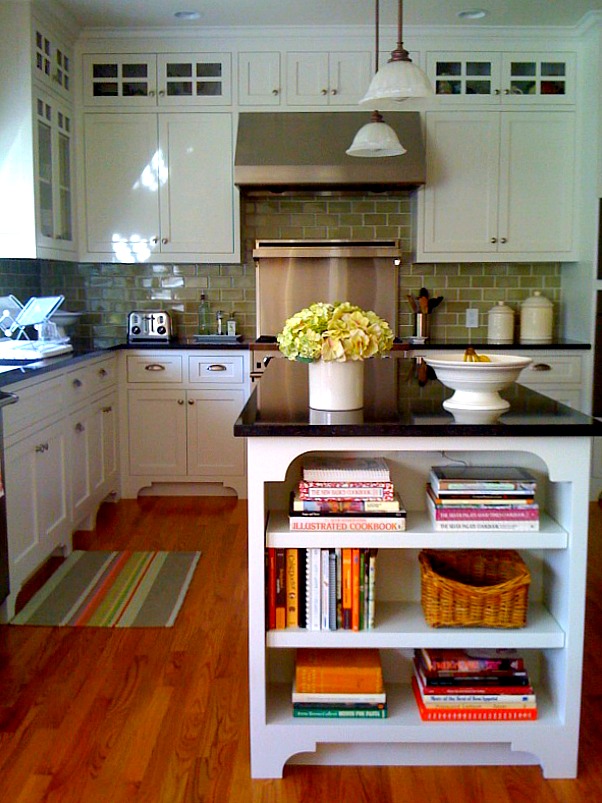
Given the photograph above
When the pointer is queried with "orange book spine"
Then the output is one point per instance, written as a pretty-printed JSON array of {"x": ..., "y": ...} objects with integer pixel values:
[
  {"x": 355, "y": 589},
  {"x": 347, "y": 592}
]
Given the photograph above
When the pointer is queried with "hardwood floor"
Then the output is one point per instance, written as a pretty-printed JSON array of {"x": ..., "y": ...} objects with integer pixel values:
[{"x": 160, "y": 716}]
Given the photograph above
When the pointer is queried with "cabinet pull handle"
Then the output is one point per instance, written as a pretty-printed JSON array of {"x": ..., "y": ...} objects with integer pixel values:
[
  {"x": 154, "y": 366},
  {"x": 333, "y": 91},
  {"x": 190, "y": 401},
  {"x": 161, "y": 93},
  {"x": 77, "y": 383},
  {"x": 506, "y": 91},
  {"x": 108, "y": 409},
  {"x": 151, "y": 93},
  {"x": 493, "y": 240},
  {"x": 324, "y": 92},
  {"x": 541, "y": 366},
  {"x": 154, "y": 240},
  {"x": 497, "y": 92},
  {"x": 42, "y": 447},
  {"x": 275, "y": 91},
  {"x": 216, "y": 367},
  {"x": 102, "y": 372},
  {"x": 164, "y": 240},
  {"x": 79, "y": 427},
  {"x": 180, "y": 401},
  {"x": 503, "y": 239}
]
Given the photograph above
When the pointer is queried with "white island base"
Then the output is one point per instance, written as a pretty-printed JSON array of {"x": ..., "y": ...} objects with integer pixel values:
[{"x": 552, "y": 641}]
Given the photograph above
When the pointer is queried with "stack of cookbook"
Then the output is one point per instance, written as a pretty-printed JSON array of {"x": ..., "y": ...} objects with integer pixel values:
[
  {"x": 354, "y": 493},
  {"x": 341, "y": 683},
  {"x": 453, "y": 685},
  {"x": 462, "y": 497}
]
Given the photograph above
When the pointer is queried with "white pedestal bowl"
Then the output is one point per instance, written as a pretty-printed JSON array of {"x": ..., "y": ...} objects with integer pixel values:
[{"x": 476, "y": 385}]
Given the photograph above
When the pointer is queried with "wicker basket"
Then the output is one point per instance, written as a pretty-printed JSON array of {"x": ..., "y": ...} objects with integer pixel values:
[{"x": 474, "y": 588}]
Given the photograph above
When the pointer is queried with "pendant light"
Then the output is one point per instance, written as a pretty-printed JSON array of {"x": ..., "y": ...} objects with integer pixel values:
[
  {"x": 399, "y": 79},
  {"x": 376, "y": 138}
]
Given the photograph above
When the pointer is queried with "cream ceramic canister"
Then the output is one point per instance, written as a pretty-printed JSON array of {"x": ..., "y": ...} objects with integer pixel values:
[
  {"x": 500, "y": 324},
  {"x": 536, "y": 319}
]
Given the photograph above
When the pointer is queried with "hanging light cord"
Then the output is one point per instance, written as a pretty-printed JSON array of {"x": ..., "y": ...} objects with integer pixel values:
[
  {"x": 400, "y": 53},
  {"x": 376, "y": 117}
]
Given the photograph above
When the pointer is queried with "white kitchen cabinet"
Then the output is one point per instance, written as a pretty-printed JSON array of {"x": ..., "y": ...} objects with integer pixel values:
[
  {"x": 52, "y": 60},
  {"x": 509, "y": 79},
  {"x": 327, "y": 79},
  {"x": 91, "y": 395},
  {"x": 259, "y": 79},
  {"x": 36, "y": 124},
  {"x": 559, "y": 375},
  {"x": 54, "y": 174},
  {"x": 158, "y": 185},
  {"x": 150, "y": 80},
  {"x": 500, "y": 186},
  {"x": 179, "y": 414}
]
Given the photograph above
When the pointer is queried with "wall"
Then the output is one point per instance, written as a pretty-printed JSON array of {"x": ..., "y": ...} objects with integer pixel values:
[{"x": 109, "y": 291}]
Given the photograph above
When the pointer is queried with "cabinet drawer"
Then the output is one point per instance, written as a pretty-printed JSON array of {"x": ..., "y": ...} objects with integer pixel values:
[
  {"x": 154, "y": 368},
  {"x": 37, "y": 403},
  {"x": 216, "y": 368},
  {"x": 551, "y": 370},
  {"x": 84, "y": 382}
]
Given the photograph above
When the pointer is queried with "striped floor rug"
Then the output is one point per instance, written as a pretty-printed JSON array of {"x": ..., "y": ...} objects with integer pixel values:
[{"x": 113, "y": 589}]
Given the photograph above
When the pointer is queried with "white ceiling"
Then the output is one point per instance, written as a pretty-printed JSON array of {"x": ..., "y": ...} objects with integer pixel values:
[{"x": 159, "y": 13}]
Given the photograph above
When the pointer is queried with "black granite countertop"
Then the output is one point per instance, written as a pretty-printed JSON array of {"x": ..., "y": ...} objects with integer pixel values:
[{"x": 396, "y": 403}]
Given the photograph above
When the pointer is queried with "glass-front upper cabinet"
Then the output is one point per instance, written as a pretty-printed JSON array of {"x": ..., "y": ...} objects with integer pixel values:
[
  {"x": 157, "y": 80},
  {"x": 505, "y": 78},
  {"x": 52, "y": 61},
  {"x": 54, "y": 180}
]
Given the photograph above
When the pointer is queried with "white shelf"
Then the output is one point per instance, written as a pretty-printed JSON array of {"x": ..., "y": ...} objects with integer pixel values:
[
  {"x": 402, "y": 716},
  {"x": 402, "y": 625},
  {"x": 419, "y": 534}
]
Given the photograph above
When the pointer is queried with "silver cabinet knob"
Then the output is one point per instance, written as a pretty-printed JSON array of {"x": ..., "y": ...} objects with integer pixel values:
[
  {"x": 79, "y": 427},
  {"x": 324, "y": 92},
  {"x": 503, "y": 239},
  {"x": 493, "y": 240},
  {"x": 102, "y": 372},
  {"x": 180, "y": 401},
  {"x": 190, "y": 401},
  {"x": 275, "y": 91},
  {"x": 333, "y": 91},
  {"x": 108, "y": 409},
  {"x": 497, "y": 92},
  {"x": 77, "y": 383},
  {"x": 151, "y": 93},
  {"x": 164, "y": 240},
  {"x": 161, "y": 93},
  {"x": 154, "y": 240}
]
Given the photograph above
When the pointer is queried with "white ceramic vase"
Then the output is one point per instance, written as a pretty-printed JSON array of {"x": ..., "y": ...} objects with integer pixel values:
[{"x": 336, "y": 385}]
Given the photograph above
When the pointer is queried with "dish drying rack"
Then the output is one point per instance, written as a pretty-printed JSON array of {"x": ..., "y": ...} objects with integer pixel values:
[{"x": 15, "y": 317}]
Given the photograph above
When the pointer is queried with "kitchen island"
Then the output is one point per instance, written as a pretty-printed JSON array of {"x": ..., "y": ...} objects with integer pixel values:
[{"x": 403, "y": 420}]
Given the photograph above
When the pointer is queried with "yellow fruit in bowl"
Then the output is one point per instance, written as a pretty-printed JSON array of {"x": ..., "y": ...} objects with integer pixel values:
[{"x": 470, "y": 355}]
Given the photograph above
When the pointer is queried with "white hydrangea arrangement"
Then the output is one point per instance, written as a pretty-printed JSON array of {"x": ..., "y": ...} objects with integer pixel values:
[{"x": 334, "y": 332}]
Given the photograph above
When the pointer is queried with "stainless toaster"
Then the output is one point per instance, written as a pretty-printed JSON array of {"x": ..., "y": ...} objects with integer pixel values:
[{"x": 150, "y": 326}]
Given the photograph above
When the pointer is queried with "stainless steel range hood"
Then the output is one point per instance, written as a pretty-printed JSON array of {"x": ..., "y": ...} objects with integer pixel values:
[{"x": 306, "y": 150}]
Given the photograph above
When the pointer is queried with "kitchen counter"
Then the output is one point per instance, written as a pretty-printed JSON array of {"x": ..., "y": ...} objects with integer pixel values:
[{"x": 396, "y": 404}]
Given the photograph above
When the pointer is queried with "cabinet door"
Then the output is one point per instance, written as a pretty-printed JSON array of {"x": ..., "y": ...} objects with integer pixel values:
[
  {"x": 37, "y": 499},
  {"x": 124, "y": 169},
  {"x": 197, "y": 200},
  {"x": 349, "y": 77},
  {"x": 120, "y": 80},
  {"x": 307, "y": 79},
  {"x": 157, "y": 432},
  {"x": 538, "y": 78},
  {"x": 460, "y": 196},
  {"x": 86, "y": 460},
  {"x": 537, "y": 183},
  {"x": 473, "y": 77},
  {"x": 107, "y": 410},
  {"x": 259, "y": 79},
  {"x": 213, "y": 450},
  {"x": 203, "y": 80},
  {"x": 52, "y": 60},
  {"x": 54, "y": 183}
]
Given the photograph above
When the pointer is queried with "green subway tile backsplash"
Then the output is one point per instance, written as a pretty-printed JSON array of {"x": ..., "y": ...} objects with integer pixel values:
[{"x": 107, "y": 292}]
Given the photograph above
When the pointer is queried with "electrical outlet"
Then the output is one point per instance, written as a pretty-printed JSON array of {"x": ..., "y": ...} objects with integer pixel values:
[{"x": 472, "y": 318}]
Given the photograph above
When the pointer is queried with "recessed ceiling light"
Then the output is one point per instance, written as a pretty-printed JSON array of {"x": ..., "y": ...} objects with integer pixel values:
[
  {"x": 187, "y": 15},
  {"x": 472, "y": 14}
]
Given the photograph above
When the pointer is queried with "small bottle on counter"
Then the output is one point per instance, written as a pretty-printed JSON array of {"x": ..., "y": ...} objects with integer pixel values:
[
  {"x": 500, "y": 324},
  {"x": 536, "y": 322},
  {"x": 204, "y": 316},
  {"x": 231, "y": 326},
  {"x": 220, "y": 319}
]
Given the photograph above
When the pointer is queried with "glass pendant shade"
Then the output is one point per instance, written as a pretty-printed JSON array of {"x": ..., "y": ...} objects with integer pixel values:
[
  {"x": 376, "y": 139},
  {"x": 395, "y": 82}
]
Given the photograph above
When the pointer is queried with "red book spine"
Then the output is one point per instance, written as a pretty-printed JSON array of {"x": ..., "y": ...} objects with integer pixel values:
[
  {"x": 280, "y": 589},
  {"x": 530, "y": 513},
  {"x": 271, "y": 588},
  {"x": 346, "y": 579},
  {"x": 346, "y": 490},
  {"x": 355, "y": 589}
]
